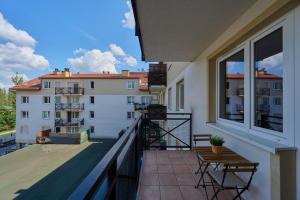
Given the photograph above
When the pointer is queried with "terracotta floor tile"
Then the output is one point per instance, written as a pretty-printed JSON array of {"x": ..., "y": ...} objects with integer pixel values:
[
  {"x": 149, "y": 193},
  {"x": 170, "y": 193},
  {"x": 150, "y": 179},
  {"x": 163, "y": 160},
  {"x": 181, "y": 168},
  {"x": 165, "y": 169},
  {"x": 178, "y": 161},
  {"x": 186, "y": 179},
  {"x": 191, "y": 193},
  {"x": 167, "y": 179},
  {"x": 150, "y": 169}
]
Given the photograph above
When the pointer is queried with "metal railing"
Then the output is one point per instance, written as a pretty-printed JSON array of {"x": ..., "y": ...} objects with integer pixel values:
[
  {"x": 116, "y": 176},
  {"x": 263, "y": 92},
  {"x": 69, "y": 106},
  {"x": 69, "y": 90},
  {"x": 72, "y": 122}
]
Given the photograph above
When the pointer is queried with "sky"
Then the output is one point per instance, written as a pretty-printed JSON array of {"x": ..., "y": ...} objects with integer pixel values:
[{"x": 88, "y": 36}]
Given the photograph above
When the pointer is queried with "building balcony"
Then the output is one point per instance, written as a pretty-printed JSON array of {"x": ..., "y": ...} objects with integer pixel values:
[
  {"x": 240, "y": 92},
  {"x": 157, "y": 77},
  {"x": 72, "y": 122},
  {"x": 263, "y": 108},
  {"x": 263, "y": 92},
  {"x": 69, "y": 91},
  {"x": 69, "y": 106},
  {"x": 239, "y": 108}
]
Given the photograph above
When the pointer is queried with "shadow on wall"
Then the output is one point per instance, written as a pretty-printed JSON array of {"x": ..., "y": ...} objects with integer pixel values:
[{"x": 60, "y": 183}]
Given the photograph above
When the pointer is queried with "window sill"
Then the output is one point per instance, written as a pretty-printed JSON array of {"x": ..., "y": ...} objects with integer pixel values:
[{"x": 267, "y": 145}]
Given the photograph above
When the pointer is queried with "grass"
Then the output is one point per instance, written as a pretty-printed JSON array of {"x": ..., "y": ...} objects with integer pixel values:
[
  {"x": 7, "y": 131},
  {"x": 48, "y": 171}
]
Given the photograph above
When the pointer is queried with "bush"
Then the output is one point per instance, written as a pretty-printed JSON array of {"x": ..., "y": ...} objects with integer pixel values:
[{"x": 216, "y": 140}]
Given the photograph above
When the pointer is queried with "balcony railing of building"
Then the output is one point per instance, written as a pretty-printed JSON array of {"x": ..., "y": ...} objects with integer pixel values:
[
  {"x": 69, "y": 106},
  {"x": 72, "y": 122},
  {"x": 263, "y": 108},
  {"x": 263, "y": 92},
  {"x": 239, "y": 108},
  {"x": 69, "y": 90},
  {"x": 116, "y": 176},
  {"x": 157, "y": 75}
]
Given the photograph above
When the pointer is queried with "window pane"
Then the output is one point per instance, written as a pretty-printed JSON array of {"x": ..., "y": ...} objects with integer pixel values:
[
  {"x": 232, "y": 88},
  {"x": 268, "y": 57}
]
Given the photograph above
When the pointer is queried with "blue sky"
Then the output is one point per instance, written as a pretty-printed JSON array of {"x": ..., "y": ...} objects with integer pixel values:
[{"x": 86, "y": 35}]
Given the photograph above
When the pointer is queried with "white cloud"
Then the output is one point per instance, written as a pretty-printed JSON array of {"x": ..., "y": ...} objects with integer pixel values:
[
  {"x": 274, "y": 62},
  {"x": 79, "y": 50},
  {"x": 129, "y": 60},
  {"x": 116, "y": 50},
  {"x": 128, "y": 21},
  {"x": 21, "y": 58},
  {"x": 17, "y": 36},
  {"x": 95, "y": 61}
]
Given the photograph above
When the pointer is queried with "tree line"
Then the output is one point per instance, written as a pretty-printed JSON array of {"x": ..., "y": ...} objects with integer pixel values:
[{"x": 8, "y": 105}]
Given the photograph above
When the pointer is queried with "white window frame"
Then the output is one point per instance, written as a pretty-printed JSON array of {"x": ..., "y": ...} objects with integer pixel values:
[
  {"x": 46, "y": 97},
  {"x": 287, "y": 135},
  {"x": 92, "y": 88},
  {"x": 56, "y": 114},
  {"x": 46, "y": 116},
  {"x": 131, "y": 84},
  {"x": 178, "y": 95},
  {"x": 26, "y": 99},
  {"x": 131, "y": 102},
  {"x": 91, "y": 99},
  {"x": 92, "y": 128},
  {"x": 130, "y": 115},
  {"x": 170, "y": 98},
  {"x": 46, "y": 84},
  {"x": 26, "y": 115},
  {"x": 90, "y": 114}
]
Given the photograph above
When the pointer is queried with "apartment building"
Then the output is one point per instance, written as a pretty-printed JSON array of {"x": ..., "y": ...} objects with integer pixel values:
[
  {"x": 70, "y": 103},
  {"x": 234, "y": 66}
]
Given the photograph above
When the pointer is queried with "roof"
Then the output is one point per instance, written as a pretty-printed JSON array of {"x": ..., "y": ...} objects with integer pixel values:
[
  {"x": 266, "y": 76},
  {"x": 35, "y": 84}
]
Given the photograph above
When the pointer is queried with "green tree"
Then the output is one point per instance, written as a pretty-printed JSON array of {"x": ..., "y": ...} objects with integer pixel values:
[{"x": 16, "y": 80}]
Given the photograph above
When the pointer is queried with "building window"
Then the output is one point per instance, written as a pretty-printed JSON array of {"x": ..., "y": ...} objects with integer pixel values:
[
  {"x": 24, "y": 99},
  {"x": 131, "y": 84},
  {"x": 46, "y": 99},
  {"x": 145, "y": 100},
  {"x": 92, "y": 99},
  {"x": 57, "y": 115},
  {"x": 170, "y": 98},
  {"x": 231, "y": 87},
  {"x": 46, "y": 85},
  {"x": 130, "y": 115},
  {"x": 92, "y": 84},
  {"x": 24, "y": 114},
  {"x": 73, "y": 130},
  {"x": 57, "y": 99},
  {"x": 92, "y": 114},
  {"x": 24, "y": 129},
  {"x": 46, "y": 114},
  {"x": 268, "y": 67},
  {"x": 57, "y": 129},
  {"x": 92, "y": 129},
  {"x": 130, "y": 99},
  {"x": 180, "y": 95},
  {"x": 75, "y": 115}
]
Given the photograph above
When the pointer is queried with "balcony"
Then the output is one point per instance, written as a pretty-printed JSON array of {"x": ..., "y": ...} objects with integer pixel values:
[
  {"x": 263, "y": 108},
  {"x": 72, "y": 122},
  {"x": 69, "y": 90},
  {"x": 157, "y": 78},
  {"x": 240, "y": 92},
  {"x": 69, "y": 106},
  {"x": 263, "y": 92}
]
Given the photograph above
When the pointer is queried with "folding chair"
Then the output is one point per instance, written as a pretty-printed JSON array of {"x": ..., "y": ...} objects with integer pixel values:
[
  {"x": 227, "y": 179},
  {"x": 200, "y": 138}
]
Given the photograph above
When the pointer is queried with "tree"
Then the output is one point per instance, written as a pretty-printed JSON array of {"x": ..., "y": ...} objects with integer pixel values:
[{"x": 17, "y": 80}]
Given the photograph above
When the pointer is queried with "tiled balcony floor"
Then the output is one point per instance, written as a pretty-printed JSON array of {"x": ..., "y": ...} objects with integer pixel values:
[{"x": 170, "y": 175}]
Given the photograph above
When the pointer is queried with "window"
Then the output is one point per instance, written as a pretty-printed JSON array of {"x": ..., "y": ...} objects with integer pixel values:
[
  {"x": 170, "y": 98},
  {"x": 130, "y": 99},
  {"x": 73, "y": 99},
  {"x": 24, "y": 99},
  {"x": 46, "y": 114},
  {"x": 57, "y": 129},
  {"x": 57, "y": 115},
  {"x": 130, "y": 115},
  {"x": 57, "y": 99},
  {"x": 75, "y": 115},
  {"x": 46, "y": 99},
  {"x": 46, "y": 84},
  {"x": 180, "y": 95},
  {"x": 24, "y": 114},
  {"x": 92, "y": 129},
  {"x": 72, "y": 129},
  {"x": 92, "y": 114},
  {"x": 24, "y": 129},
  {"x": 145, "y": 100},
  {"x": 277, "y": 101},
  {"x": 131, "y": 84},
  {"x": 268, "y": 67},
  {"x": 231, "y": 87},
  {"x": 92, "y": 99},
  {"x": 57, "y": 84},
  {"x": 92, "y": 84}
]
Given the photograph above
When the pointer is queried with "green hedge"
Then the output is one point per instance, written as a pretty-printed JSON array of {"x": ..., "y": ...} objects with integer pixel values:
[{"x": 84, "y": 136}]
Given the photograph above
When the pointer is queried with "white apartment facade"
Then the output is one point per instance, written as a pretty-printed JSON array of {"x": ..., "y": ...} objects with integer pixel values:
[
  {"x": 70, "y": 103},
  {"x": 259, "y": 41}
]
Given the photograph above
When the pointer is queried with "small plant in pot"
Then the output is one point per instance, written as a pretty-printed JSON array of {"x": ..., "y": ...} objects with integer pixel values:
[{"x": 216, "y": 144}]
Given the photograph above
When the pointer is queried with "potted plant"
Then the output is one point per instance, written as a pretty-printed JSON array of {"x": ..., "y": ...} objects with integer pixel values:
[{"x": 216, "y": 144}]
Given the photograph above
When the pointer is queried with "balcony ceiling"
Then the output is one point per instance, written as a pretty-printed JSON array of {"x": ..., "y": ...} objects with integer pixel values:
[{"x": 179, "y": 30}]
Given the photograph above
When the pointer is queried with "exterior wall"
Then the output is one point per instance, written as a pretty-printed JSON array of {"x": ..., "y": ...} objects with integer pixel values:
[
  {"x": 110, "y": 107},
  {"x": 174, "y": 69},
  {"x": 197, "y": 98}
]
